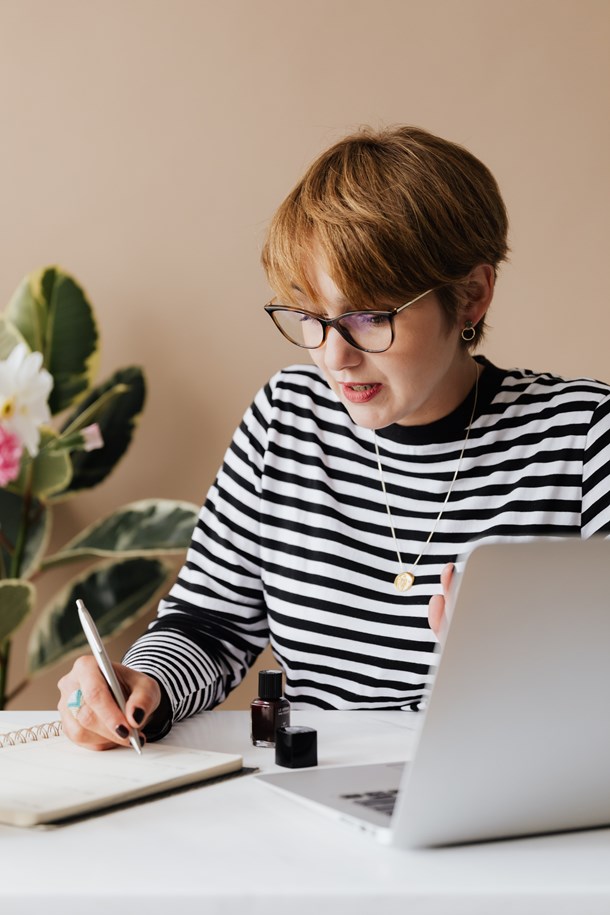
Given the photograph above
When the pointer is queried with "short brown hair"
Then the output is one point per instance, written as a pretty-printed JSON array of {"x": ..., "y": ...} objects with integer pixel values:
[{"x": 395, "y": 212}]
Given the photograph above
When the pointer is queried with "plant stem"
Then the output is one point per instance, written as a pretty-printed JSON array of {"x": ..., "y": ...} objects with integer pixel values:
[
  {"x": 6, "y": 544},
  {"x": 23, "y": 527},
  {"x": 5, "y": 547},
  {"x": 5, "y": 650},
  {"x": 16, "y": 556}
]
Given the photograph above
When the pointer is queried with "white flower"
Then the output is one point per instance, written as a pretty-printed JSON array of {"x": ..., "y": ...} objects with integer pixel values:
[{"x": 24, "y": 391}]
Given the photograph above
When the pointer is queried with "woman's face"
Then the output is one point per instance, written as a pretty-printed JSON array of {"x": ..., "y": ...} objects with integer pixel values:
[{"x": 424, "y": 375}]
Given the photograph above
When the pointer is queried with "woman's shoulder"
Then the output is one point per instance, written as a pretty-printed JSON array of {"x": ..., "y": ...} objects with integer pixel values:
[
  {"x": 299, "y": 387},
  {"x": 545, "y": 383},
  {"x": 299, "y": 377},
  {"x": 532, "y": 400}
]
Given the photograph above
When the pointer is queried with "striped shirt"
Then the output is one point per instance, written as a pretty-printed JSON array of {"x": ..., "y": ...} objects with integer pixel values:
[{"x": 294, "y": 546}]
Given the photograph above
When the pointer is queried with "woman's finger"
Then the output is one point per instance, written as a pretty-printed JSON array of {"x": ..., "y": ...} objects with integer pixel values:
[
  {"x": 437, "y": 604},
  {"x": 436, "y": 612},
  {"x": 447, "y": 576},
  {"x": 90, "y": 716},
  {"x": 144, "y": 695}
]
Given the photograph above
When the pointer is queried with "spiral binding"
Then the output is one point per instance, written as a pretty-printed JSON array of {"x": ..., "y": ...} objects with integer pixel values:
[{"x": 29, "y": 735}]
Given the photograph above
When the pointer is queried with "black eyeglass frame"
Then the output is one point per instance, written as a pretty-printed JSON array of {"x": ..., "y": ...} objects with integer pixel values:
[{"x": 325, "y": 323}]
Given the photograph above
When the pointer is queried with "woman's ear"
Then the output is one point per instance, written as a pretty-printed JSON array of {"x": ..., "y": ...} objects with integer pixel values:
[{"x": 478, "y": 290}]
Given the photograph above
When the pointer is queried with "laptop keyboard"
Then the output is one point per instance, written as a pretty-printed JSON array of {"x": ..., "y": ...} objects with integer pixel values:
[{"x": 382, "y": 801}]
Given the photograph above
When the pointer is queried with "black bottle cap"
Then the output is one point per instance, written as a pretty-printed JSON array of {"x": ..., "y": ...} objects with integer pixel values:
[
  {"x": 270, "y": 684},
  {"x": 296, "y": 748}
]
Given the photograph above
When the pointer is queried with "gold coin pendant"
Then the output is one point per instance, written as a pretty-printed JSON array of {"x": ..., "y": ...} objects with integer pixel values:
[{"x": 403, "y": 581}]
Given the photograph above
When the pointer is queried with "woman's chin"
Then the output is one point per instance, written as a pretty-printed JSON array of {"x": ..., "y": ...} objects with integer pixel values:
[{"x": 367, "y": 419}]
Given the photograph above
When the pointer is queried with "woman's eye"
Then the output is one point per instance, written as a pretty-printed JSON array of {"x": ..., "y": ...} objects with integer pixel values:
[{"x": 371, "y": 319}]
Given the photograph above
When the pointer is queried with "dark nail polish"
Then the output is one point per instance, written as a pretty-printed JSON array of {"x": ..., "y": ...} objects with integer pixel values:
[
  {"x": 122, "y": 731},
  {"x": 138, "y": 715},
  {"x": 142, "y": 739},
  {"x": 270, "y": 710}
]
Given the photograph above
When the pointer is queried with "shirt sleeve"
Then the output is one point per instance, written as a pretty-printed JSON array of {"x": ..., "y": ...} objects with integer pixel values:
[
  {"x": 596, "y": 474},
  {"x": 213, "y": 624}
]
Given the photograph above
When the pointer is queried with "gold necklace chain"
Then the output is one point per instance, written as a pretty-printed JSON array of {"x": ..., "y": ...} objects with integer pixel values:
[{"x": 405, "y": 579}]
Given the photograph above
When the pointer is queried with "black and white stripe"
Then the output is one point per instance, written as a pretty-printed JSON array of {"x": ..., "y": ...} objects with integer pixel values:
[{"x": 293, "y": 543}]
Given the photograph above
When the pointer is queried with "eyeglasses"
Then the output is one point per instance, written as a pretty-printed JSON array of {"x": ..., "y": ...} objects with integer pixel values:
[{"x": 369, "y": 331}]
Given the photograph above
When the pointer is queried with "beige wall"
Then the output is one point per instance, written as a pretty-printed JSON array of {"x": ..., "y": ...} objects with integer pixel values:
[{"x": 145, "y": 144}]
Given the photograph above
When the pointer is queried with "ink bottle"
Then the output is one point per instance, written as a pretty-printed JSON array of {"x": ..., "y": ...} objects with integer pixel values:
[{"x": 270, "y": 710}]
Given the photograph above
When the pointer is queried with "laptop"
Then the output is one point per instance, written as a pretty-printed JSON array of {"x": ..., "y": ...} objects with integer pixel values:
[{"x": 515, "y": 740}]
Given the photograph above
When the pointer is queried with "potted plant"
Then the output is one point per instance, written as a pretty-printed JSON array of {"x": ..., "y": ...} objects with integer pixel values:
[{"x": 61, "y": 434}]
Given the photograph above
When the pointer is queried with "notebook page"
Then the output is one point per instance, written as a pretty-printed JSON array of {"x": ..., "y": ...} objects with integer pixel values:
[{"x": 50, "y": 779}]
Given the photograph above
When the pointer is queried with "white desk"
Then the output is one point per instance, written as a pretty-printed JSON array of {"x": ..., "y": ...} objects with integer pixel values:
[{"x": 239, "y": 848}]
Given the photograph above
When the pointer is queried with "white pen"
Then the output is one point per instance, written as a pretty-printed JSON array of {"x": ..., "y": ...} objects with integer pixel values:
[{"x": 105, "y": 665}]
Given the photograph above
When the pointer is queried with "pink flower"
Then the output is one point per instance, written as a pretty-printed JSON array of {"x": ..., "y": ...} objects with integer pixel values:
[
  {"x": 92, "y": 437},
  {"x": 11, "y": 450}
]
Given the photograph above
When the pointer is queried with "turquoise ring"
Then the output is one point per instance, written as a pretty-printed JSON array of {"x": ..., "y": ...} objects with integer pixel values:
[{"x": 75, "y": 701}]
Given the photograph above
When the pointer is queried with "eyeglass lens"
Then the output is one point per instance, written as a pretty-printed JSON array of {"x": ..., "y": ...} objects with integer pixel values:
[{"x": 368, "y": 330}]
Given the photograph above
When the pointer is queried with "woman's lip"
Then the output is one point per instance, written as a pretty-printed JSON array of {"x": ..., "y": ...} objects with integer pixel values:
[{"x": 360, "y": 393}]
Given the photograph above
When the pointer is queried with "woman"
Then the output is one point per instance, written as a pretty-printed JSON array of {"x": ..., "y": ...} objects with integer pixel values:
[{"x": 353, "y": 485}]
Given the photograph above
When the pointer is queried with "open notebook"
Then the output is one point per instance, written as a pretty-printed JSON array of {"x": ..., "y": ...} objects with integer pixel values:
[{"x": 47, "y": 780}]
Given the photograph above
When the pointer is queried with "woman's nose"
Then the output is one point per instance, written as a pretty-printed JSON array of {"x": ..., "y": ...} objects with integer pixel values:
[{"x": 338, "y": 353}]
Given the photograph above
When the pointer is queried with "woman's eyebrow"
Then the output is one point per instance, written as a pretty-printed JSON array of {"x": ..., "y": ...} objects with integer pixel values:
[
  {"x": 300, "y": 292},
  {"x": 341, "y": 301}
]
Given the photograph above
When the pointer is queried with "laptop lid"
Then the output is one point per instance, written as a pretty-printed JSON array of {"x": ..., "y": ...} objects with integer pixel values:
[{"x": 516, "y": 738}]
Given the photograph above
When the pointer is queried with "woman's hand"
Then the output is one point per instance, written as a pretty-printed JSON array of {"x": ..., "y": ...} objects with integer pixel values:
[
  {"x": 99, "y": 724},
  {"x": 436, "y": 607}
]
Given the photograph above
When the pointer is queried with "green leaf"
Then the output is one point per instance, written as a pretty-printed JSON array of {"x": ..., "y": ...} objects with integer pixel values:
[
  {"x": 9, "y": 337},
  {"x": 86, "y": 417},
  {"x": 116, "y": 417},
  {"x": 16, "y": 601},
  {"x": 28, "y": 313},
  {"x": 39, "y": 527},
  {"x": 116, "y": 595},
  {"x": 150, "y": 525},
  {"x": 51, "y": 469},
  {"x": 52, "y": 313}
]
